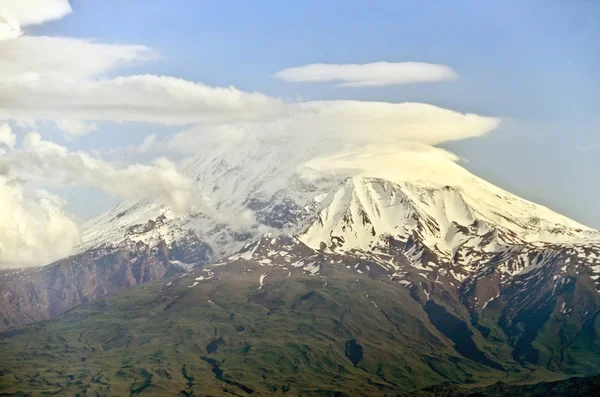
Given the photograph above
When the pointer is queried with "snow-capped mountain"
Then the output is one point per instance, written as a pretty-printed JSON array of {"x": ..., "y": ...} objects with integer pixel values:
[
  {"x": 407, "y": 207},
  {"x": 349, "y": 200},
  {"x": 406, "y": 212},
  {"x": 407, "y": 200}
]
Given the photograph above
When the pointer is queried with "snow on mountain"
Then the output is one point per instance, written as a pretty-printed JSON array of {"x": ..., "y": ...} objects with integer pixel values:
[
  {"x": 354, "y": 199},
  {"x": 431, "y": 182},
  {"x": 247, "y": 191}
]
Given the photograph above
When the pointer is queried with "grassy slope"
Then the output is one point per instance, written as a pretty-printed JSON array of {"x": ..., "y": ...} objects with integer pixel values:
[
  {"x": 296, "y": 336},
  {"x": 293, "y": 336},
  {"x": 573, "y": 387}
]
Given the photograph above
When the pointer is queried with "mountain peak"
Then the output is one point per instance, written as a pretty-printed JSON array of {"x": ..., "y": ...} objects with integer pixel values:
[{"x": 338, "y": 196}]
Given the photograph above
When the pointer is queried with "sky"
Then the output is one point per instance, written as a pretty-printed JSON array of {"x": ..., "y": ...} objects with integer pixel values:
[{"x": 91, "y": 92}]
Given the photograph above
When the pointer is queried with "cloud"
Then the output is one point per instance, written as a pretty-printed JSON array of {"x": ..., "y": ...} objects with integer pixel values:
[
  {"x": 147, "y": 143},
  {"x": 339, "y": 123},
  {"x": 60, "y": 78},
  {"x": 33, "y": 231},
  {"x": 30, "y": 57},
  {"x": 48, "y": 162},
  {"x": 16, "y": 14},
  {"x": 369, "y": 74},
  {"x": 7, "y": 136},
  {"x": 400, "y": 162},
  {"x": 143, "y": 98},
  {"x": 382, "y": 121},
  {"x": 76, "y": 127}
]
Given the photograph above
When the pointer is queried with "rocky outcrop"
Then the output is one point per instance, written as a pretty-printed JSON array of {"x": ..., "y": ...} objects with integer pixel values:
[{"x": 30, "y": 295}]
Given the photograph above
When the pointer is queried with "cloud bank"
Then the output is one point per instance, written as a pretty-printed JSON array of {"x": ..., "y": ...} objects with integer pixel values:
[
  {"x": 369, "y": 74},
  {"x": 45, "y": 161},
  {"x": 34, "y": 228},
  {"x": 33, "y": 231},
  {"x": 68, "y": 80},
  {"x": 144, "y": 98},
  {"x": 342, "y": 122}
]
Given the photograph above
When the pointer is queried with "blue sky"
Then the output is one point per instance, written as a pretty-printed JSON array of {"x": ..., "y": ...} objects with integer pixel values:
[{"x": 532, "y": 63}]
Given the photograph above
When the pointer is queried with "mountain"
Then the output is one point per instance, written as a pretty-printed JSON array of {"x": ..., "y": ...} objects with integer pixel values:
[
  {"x": 410, "y": 202},
  {"x": 312, "y": 271}
]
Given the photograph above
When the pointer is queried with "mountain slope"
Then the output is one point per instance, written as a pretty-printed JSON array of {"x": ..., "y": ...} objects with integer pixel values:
[
  {"x": 242, "y": 328},
  {"x": 576, "y": 386},
  {"x": 280, "y": 318}
]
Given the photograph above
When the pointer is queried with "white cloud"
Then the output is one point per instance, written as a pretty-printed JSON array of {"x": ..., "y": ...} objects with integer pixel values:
[
  {"x": 76, "y": 127},
  {"x": 29, "y": 57},
  {"x": 145, "y": 98},
  {"x": 147, "y": 143},
  {"x": 33, "y": 231},
  {"x": 369, "y": 74},
  {"x": 48, "y": 162},
  {"x": 16, "y": 14},
  {"x": 60, "y": 78},
  {"x": 381, "y": 121},
  {"x": 342, "y": 123},
  {"x": 7, "y": 136}
]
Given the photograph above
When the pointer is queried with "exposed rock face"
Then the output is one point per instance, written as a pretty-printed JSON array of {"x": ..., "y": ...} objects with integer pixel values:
[{"x": 30, "y": 295}]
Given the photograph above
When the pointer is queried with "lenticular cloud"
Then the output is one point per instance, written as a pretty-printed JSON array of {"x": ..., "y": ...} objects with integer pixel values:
[{"x": 369, "y": 74}]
